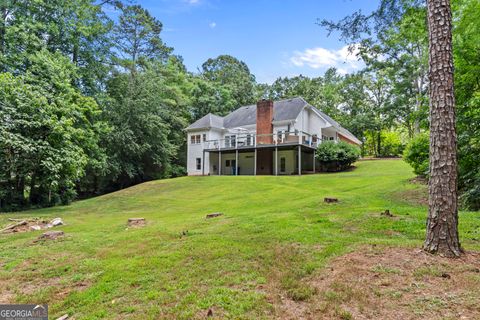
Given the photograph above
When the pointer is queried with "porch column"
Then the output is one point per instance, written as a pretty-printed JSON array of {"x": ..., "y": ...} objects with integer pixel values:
[
  {"x": 203, "y": 163},
  {"x": 313, "y": 161},
  {"x": 236, "y": 162},
  {"x": 255, "y": 163},
  {"x": 299, "y": 160},
  {"x": 276, "y": 161},
  {"x": 219, "y": 163}
]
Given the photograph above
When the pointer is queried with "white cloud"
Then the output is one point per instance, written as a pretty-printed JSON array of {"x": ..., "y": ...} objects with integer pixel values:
[
  {"x": 192, "y": 2},
  {"x": 343, "y": 59},
  {"x": 212, "y": 24}
]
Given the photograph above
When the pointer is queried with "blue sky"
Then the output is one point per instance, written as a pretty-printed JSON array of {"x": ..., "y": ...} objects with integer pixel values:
[{"x": 275, "y": 38}]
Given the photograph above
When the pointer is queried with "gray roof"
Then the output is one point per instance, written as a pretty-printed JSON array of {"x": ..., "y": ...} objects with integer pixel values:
[
  {"x": 208, "y": 121},
  {"x": 284, "y": 110}
]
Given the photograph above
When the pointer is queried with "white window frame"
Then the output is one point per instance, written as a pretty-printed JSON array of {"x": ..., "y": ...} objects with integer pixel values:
[
  {"x": 230, "y": 141},
  {"x": 195, "y": 139}
]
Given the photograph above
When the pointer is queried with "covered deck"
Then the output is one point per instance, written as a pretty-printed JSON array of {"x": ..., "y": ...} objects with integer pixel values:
[{"x": 274, "y": 154}]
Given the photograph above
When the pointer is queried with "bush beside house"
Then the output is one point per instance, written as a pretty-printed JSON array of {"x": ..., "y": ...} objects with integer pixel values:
[{"x": 335, "y": 157}]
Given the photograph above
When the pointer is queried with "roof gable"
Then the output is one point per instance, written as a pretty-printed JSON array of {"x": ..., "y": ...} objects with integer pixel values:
[{"x": 207, "y": 121}]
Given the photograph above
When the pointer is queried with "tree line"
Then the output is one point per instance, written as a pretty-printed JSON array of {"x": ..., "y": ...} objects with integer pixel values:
[{"x": 90, "y": 104}]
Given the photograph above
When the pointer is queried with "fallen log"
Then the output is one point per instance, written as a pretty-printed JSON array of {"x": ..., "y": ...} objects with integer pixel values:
[
  {"x": 330, "y": 200},
  {"x": 13, "y": 226},
  {"x": 19, "y": 220}
]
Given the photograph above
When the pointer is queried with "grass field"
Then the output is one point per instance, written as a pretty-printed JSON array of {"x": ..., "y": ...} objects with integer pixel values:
[{"x": 276, "y": 233}]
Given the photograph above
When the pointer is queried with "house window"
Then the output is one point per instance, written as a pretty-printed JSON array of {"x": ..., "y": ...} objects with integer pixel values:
[
  {"x": 204, "y": 137},
  {"x": 199, "y": 163},
  {"x": 282, "y": 164},
  {"x": 227, "y": 163},
  {"x": 229, "y": 141},
  {"x": 332, "y": 138},
  {"x": 195, "y": 139},
  {"x": 249, "y": 139}
]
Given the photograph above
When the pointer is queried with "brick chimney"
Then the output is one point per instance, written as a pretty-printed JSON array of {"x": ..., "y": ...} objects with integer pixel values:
[{"x": 264, "y": 121}]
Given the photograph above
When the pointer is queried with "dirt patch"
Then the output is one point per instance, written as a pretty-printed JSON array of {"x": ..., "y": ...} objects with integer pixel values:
[
  {"x": 415, "y": 197},
  {"x": 393, "y": 283},
  {"x": 6, "y": 294},
  {"x": 419, "y": 180},
  {"x": 289, "y": 289}
]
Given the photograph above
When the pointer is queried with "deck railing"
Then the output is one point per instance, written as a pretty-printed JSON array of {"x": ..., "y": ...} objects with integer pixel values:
[{"x": 239, "y": 141}]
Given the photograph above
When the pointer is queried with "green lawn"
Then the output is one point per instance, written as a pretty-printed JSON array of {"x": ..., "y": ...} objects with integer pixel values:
[{"x": 276, "y": 231}]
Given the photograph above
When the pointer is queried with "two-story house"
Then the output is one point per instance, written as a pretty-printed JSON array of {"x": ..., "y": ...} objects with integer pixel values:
[{"x": 269, "y": 138}]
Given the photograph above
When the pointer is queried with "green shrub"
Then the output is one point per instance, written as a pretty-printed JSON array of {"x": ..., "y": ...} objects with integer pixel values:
[
  {"x": 392, "y": 145},
  {"x": 336, "y": 156},
  {"x": 416, "y": 154}
]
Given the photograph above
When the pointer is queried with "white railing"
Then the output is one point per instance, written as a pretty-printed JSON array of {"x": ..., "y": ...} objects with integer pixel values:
[{"x": 239, "y": 141}]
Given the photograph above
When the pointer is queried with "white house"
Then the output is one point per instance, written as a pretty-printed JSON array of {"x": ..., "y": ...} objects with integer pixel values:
[{"x": 269, "y": 138}]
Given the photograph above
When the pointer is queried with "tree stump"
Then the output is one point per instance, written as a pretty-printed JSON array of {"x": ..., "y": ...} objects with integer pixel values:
[
  {"x": 387, "y": 213},
  {"x": 330, "y": 200},
  {"x": 136, "y": 222},
  {"x": 213, "y": 215}
]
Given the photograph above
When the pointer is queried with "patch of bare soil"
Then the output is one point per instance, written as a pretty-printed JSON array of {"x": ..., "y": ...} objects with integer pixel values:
[
  {"x": 6, "y": 294},
  {"x": 415, "y": 197},
  {"x": 392, "y": 283},
  {"x": 419, "y": 180},
  {"x": 23, "y": 282}
]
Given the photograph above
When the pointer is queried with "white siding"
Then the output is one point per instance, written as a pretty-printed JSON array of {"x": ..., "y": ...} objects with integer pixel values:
[
  {"x": 290, "y": 161},
  {"x": 316, "y": 124},
  {"x": 195, "y": 151},
  {"x": 246, "y": 163}
]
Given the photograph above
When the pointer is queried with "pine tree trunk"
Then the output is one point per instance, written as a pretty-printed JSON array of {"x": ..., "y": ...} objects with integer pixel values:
[{"x": 442, "y": 222}]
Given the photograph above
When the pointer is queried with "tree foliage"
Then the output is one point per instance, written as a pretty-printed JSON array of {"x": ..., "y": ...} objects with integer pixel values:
[
  {"x": 233, "y": 75},
  {"x": 49, "y": 133}
]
